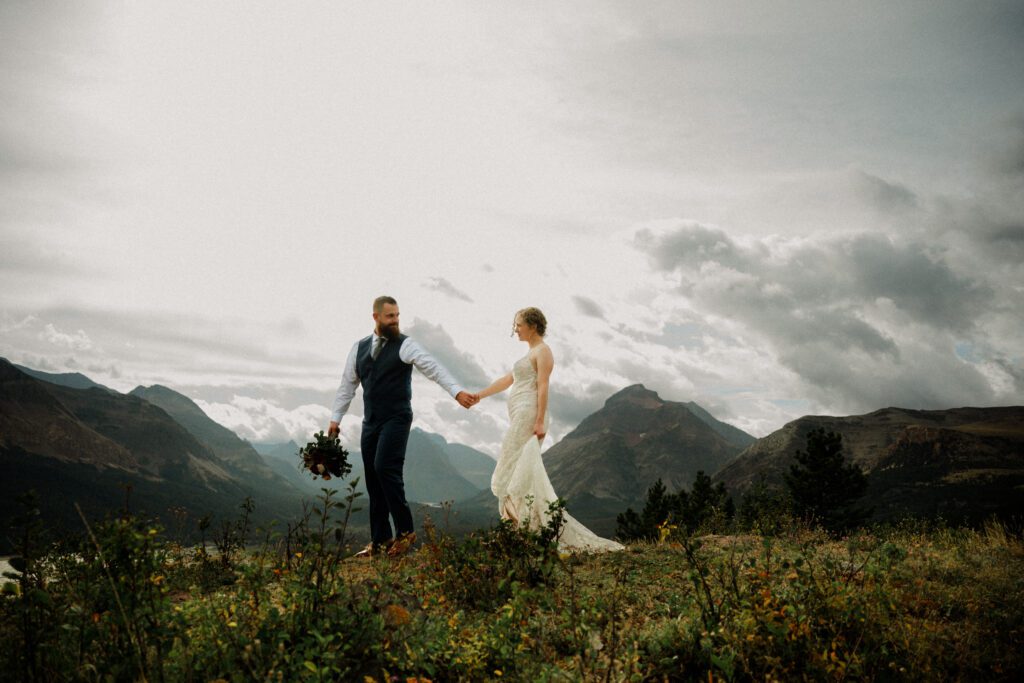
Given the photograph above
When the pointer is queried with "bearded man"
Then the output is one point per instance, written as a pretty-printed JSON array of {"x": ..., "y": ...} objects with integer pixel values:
[{"x": 382, "y": 363}]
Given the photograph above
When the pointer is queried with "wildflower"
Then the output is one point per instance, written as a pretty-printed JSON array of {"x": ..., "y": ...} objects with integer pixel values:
[
  {"x": 232, "y": 624},
  {"x": 497, "y": 672},
  {"x": 665, "y": 530}
]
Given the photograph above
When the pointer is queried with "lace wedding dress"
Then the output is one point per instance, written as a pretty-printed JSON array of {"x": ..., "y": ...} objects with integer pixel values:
[{"x": 520, "y": 481}]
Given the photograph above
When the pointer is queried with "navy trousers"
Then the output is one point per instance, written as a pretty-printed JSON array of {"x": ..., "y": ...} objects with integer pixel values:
[{"x": 383, "y": 446}]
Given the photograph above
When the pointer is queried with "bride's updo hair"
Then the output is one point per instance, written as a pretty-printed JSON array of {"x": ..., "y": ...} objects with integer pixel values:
[{"x": 533, "y": 317}]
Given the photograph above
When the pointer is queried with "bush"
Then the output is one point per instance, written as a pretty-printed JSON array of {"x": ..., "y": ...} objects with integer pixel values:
[
  {"x": 903, "y": 604},
  {"x": 483, "y": 570}
]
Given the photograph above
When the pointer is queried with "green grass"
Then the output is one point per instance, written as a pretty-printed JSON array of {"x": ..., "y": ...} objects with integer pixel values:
[{"x": 908, "y": 603}]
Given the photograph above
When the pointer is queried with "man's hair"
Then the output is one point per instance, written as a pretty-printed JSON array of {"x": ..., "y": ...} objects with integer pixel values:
[{"x": 378, "y": 303}]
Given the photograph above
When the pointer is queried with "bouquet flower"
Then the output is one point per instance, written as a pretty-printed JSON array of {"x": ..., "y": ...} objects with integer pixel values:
[{"x": 325, "y": 457}]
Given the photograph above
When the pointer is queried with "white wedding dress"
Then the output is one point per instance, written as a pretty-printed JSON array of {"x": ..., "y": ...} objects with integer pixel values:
[{"x": 520, "y": 481}]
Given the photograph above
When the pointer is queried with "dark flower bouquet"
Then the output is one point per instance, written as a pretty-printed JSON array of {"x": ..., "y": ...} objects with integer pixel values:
[{"x": 325, "y": 457}]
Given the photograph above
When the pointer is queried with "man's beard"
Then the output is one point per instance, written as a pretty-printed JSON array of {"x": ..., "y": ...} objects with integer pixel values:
[{"x": 389, "y": 331}]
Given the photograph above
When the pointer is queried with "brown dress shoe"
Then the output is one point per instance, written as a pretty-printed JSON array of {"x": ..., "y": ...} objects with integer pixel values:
[{"x": 403, "y": 545}]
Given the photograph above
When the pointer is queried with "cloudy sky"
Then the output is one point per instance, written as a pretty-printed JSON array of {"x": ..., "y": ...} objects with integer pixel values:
[{"x": 770, "y": 208}]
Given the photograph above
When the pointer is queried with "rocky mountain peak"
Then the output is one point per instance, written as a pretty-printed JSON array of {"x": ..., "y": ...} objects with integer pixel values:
[
  {"x": 614, "y": 455},
  {"x": 636, "y": 394}
]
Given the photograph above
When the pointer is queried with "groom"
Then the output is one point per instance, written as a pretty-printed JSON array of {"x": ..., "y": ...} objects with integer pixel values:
[{"x": 382, "y": 363}]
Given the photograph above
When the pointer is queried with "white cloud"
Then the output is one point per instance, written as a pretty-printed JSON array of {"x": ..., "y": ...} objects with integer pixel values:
[
  {"x": 197, "y": 201},
  {"x": 76, "y": 340},
  {"x": 262, "y": 420},
  {"x": 862, "y": 320},
  {"x": 9, "y": 325}
]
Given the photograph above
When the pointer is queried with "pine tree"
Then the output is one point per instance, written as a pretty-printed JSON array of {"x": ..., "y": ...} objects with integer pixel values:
[
  {"x": 706, "y": 502},
  {"x": 765, "y": 509},
  {"x": 823, "y": 487},
  {"x": 658, "y": 507},
  {"x": 703, "y": 505}
]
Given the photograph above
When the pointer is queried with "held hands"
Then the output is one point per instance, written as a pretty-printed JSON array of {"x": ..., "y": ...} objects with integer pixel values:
[{"x": 467, "y": 400}]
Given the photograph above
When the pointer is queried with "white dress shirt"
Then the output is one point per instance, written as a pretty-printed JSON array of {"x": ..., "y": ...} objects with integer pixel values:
[{"x": 410, "y": 352}]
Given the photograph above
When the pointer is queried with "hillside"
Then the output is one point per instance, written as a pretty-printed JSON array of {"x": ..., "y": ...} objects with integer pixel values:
[
  {"x": 74, "y": 380},
  {"x": 242, "y": 459},
  {"x": 33, "y": 419},
  {"x": 470, "y": 464},
  {"x": 102, "y": 450},
  {"x": 435, "y": 470},
  {"x": 610, "y": 460},
  {"x": 961, "y": 464}
]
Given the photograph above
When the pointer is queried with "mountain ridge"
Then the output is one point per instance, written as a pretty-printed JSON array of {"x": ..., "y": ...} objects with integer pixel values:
[
  {"x": 635, "y": 439},
  {"x": 960, "y": 463},
  {"x": 93, "y": 447},
  {"x": 243, "y": 460},
  {"x": 73, "y": 380}
]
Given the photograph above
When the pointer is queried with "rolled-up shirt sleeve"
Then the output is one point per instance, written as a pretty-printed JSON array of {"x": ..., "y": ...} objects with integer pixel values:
[
  {"x": 347, "y": 388},
  {"x": 412, "y": 352}
]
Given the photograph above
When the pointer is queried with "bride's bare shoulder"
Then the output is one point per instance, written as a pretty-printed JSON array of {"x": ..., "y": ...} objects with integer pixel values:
[{"x": 541, "y": 350}]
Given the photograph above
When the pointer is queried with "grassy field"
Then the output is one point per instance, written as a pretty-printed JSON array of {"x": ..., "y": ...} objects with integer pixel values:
[{"x": 908, "y": 603}]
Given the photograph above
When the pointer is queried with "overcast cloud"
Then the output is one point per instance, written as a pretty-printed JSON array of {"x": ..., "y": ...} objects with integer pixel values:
[{"x": 771, "y": 209}]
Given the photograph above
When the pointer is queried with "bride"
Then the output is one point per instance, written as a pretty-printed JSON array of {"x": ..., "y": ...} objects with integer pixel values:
[{"x": 520, "y": 481}]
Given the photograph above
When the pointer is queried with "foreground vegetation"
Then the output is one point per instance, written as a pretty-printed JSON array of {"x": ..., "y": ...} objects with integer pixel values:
[{"x": 126, "y": 603}]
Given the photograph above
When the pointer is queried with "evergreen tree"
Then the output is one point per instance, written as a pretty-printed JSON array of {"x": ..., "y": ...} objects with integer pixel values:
[
  {"x": 764, "y": 509},
  {"x": 658, "y": 507},
  {"x": 823, "y": 487},
  {"x": 705, "y": 504}
]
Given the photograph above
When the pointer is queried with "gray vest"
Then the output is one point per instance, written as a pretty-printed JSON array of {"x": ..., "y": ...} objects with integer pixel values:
[{"x": 387, "y": 381}]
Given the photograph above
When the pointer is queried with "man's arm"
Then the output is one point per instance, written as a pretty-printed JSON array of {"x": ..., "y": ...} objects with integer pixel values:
[
  {"x": 346, "y": 392},
  {"x": 411, "y": 352}
]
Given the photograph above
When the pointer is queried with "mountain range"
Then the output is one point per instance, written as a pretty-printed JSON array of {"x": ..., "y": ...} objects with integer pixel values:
[
  {"x": 155, "y": 451},
  {"x": 73, "y": 440},
  {"x": 961, "y": 465},
  {"x": 105, "y": 451}
]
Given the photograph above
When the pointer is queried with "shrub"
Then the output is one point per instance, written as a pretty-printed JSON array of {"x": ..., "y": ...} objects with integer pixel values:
[{"x": 482, "y": 570}]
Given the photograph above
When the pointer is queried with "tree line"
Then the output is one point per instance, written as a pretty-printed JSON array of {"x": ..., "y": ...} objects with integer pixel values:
[{"x": 821, "y": 489}]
